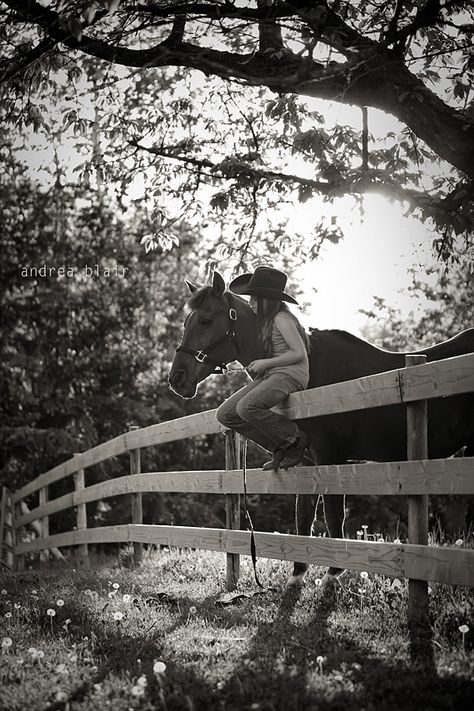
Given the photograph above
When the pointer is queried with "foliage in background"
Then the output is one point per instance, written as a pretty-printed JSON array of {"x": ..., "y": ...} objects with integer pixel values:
[{"x": 215, "y": 109}]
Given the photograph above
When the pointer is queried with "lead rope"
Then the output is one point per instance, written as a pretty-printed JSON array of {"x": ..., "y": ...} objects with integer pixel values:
[{"x": 253, "y": 551}]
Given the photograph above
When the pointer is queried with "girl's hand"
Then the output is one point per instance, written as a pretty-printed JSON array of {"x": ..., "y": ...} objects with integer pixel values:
[{"x": 257, "y": 367}]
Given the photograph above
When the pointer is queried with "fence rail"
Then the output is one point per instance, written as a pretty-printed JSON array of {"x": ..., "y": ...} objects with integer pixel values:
[{"x": 416, "y": 479}]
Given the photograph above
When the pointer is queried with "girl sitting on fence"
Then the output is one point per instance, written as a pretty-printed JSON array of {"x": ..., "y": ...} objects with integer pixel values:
[{"x": 283, "y": 370}]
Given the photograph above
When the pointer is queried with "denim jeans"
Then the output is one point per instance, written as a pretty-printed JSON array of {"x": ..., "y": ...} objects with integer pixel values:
[{"x": 248, "y": 411}]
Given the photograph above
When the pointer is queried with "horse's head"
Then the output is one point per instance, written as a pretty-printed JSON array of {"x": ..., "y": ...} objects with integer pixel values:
[{"x": 219, "y": 328}]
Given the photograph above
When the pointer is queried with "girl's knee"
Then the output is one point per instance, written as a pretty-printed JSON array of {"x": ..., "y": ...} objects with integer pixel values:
[
  {"x": 225, "y": 416},
  {"x": 245, "y": 410}
]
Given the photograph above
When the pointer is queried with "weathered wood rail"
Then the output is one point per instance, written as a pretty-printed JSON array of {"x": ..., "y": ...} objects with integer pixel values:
[{"x": 416, "y": 479}]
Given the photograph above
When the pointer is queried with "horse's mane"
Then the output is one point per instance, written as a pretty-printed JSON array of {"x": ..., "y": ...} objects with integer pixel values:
[{"x": 197, "y": 299}]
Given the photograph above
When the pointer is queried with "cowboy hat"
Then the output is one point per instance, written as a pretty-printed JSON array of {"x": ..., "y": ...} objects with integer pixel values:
[{"x": 265, "y": 281}]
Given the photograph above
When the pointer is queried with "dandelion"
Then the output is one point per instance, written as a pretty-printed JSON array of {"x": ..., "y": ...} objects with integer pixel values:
[
  {"x": 118, "y": 616},
  {"x": 138, "y": 690},
  {"x": 33, "y": 651},
  {"x": 459, "y": 542},
  {"x": 6, "y": 642},
  {"x": 127, "y": 598},
  {"x": 4, "y": 592},
  {"x": 111, "y": 595},
  {"x": 142, "y": 680},
  {"x": 320, "y": 661},
  {"x": 359, "y": 535},
  {"x": 51, "y": 612},
  {"x": 159, "y": 667},
  {"x": 397, "y": 540},
  {"x": 62, "y": 669},
  {"x": 364, "y": 575},
  {"x": 115, "y": 586},
  {"x": 17, "y": 606},
  {"x": 464, "y": 629},
  {"x": 59, "y": 603},
  {"x": 8, "y": 615},
  {"x": 61, "y": 696},
  {"x": 40, "y": 654}
]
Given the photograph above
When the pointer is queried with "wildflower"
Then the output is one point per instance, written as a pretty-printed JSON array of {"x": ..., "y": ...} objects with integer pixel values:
[
  {"x": 318, "y": 582},
  {"x": 51, "y": 612},
  {"x": 115, "y": 586},
  {"x": 397, "y": 540},
  {"x": 17, "y": 606},
  {"x": 127, "y": 598},
  {"x": 192, "y": 610},
  {"x": 142, "y": 681},
  {"x": 61, "y": 669},
  {"x": 111, "y": 595},
  {"x": 6, "y": 642},
  {"x": 364, "y": 575},
  {"x": 34, "y": 592},
  {"x": 359, "y": 535},
  {"x": 118, "y": 616},
  {"x": 59, "y": 603},
  {"x": 459, "y": 542},
  {"x": 61, "y": 696},
  {"x": 8, "y": 615},
  {"x": 33, "y": 651},
  {"x": 159, "y": 667},
  {"x": 320, "y": 661},
  {"x": 138, "y": 690},
  {"x": 40, "y": 654},
  {"x": 464, "y": 629},
  {"x": 4, "y": 592}
]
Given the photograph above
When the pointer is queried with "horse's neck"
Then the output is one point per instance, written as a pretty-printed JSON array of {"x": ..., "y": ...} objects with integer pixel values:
[{"x": 246, "y": 331}]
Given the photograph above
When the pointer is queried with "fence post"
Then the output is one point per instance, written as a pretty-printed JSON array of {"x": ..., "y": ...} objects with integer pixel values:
[
  {"x": 44, "y": 523},
  {"x": 136, "y": 502},
  {"x": 18, "y": 558},
  {"x": 81, "y": 514},
  {"x": 232, "y": 505},
  {"x": 417, "y": 448},
  {"x": 6, "y": 537}
]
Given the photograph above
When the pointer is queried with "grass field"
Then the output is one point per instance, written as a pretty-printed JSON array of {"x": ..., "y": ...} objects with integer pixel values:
[{"x": 156, "y": 638}]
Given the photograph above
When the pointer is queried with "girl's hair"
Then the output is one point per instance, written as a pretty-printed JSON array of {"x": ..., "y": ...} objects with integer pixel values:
[{"x": 267, "y": 309}]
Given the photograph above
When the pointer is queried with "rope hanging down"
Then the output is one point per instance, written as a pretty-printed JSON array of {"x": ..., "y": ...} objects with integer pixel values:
[{"x": 253, "y": 551}]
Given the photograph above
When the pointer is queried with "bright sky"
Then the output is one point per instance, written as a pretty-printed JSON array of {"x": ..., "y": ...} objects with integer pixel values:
[{"x": 372, "y": 260}]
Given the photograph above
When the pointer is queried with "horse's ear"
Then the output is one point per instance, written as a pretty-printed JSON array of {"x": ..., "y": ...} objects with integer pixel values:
[
  {"x": 192, "y": 287},
  {"x": 218, "y": 284}
]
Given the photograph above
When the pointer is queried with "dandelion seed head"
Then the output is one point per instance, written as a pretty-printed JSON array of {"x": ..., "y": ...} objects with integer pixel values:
[
  {"x": 4, "y": 592},
  {"x": 138, "y": 690},
  {"x": 192, "y": 610},
  {"x": 464, "y": 629},
  {"x": 459, "y": 542},
  {"x": 142, "y": 680},
  {"x": 8, "y": 615},
  {"x": 6, "y": 642},
  {"x": 51, "y": 612},
  {"x": 127, "y": 598},
  {"x": 118, "y": 616},
  {"x": 17, "y": 605},
  {"x": 159, "y": 667},
  {"x": 364, "y": 575},
  {"x": 59, "y": 603},
  {"x": 115, "y": 586}
]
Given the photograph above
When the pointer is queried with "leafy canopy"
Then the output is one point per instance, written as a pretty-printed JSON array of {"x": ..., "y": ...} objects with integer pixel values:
[{"x": 221, "y": 107}]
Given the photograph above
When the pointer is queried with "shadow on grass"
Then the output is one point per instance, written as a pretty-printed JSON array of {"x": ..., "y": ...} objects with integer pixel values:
[{"x": 294, "y": 659}]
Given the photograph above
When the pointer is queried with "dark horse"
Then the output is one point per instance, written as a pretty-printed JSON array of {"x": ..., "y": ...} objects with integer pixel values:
[{"x": 221, "y": 328}]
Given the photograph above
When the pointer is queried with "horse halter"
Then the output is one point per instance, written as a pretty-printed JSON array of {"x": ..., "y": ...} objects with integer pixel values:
[{"x": 230, "y": 336}]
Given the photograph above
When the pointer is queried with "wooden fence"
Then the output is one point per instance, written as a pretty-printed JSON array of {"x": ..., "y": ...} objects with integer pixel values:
[{"x": 416, "y": 478}]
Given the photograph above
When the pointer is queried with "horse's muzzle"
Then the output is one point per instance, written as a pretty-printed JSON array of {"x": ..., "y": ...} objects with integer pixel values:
[{"x": 178, "y": 380}]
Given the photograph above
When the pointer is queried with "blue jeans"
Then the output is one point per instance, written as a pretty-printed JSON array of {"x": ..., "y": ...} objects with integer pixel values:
[{"x": 248, "y": 411}]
